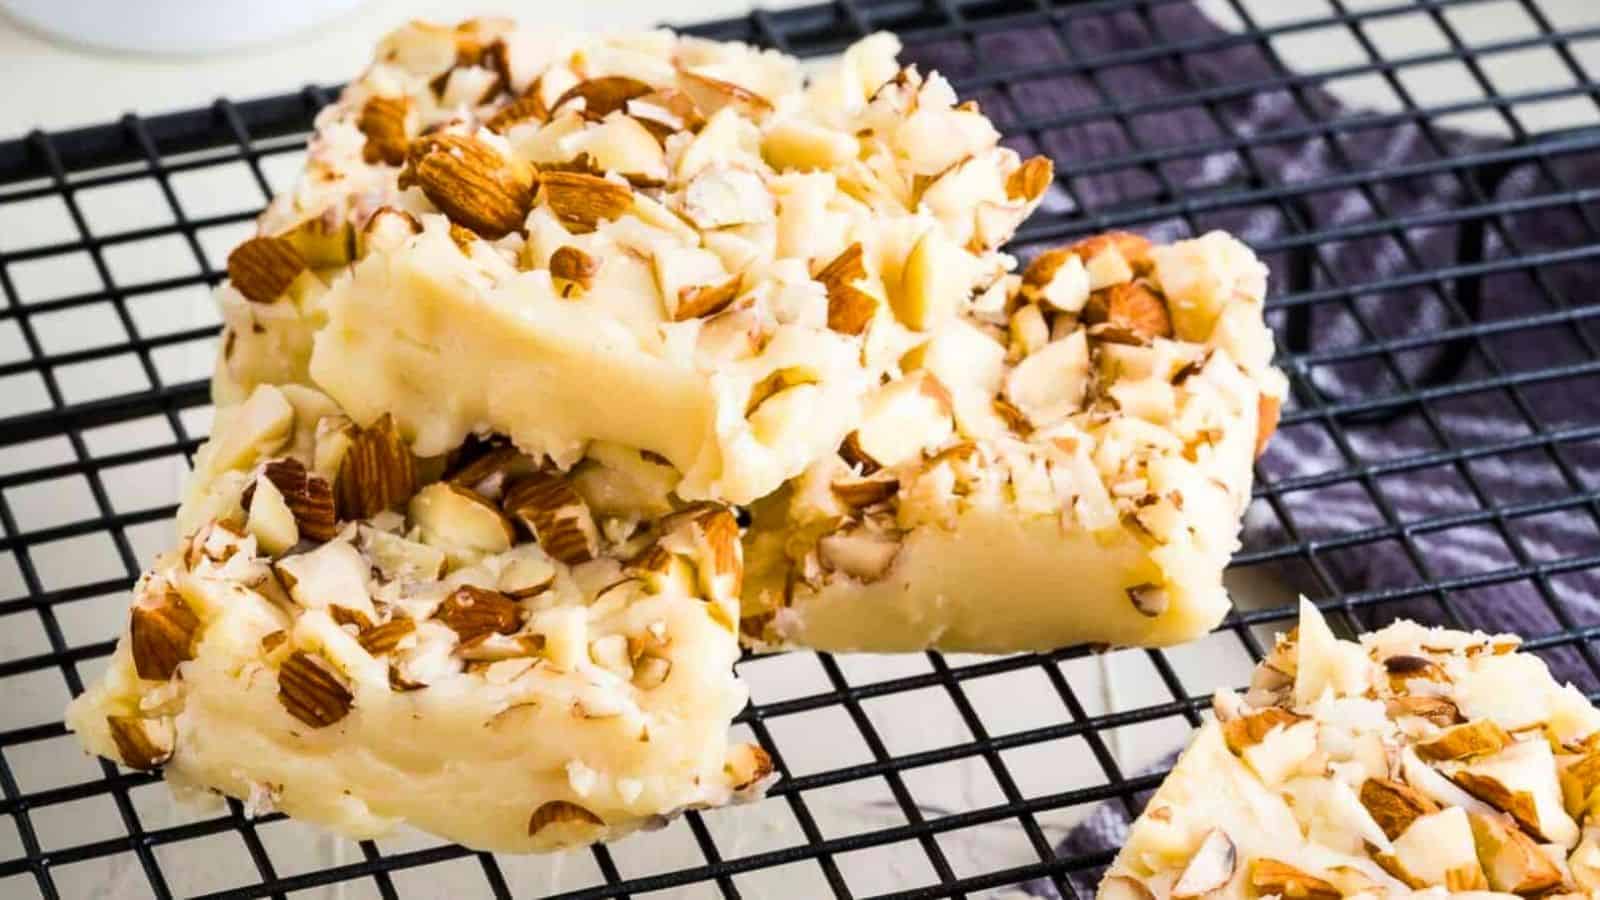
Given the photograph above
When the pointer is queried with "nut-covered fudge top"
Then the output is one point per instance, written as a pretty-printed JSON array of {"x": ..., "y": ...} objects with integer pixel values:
[
  {"x": 677, "y": 201},
  {"x": 1419, "y": 759},
  {"x": 360, "y": 636}
]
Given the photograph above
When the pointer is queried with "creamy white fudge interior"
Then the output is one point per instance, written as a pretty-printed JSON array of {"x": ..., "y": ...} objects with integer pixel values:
[
  {"x": 1067, "y": 462},
  {"x": 1418, "y": 760},
  {"x": 361, "y": 637},
  {"x": 670, "y": 243}
]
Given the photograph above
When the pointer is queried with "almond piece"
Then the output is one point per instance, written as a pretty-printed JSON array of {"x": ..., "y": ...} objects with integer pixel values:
[
  {"x": 1248, "y": 730},
  {"x": 1511, "y": 861},
  {"x": 1394, "y": 806},
  {"x": 1438, "y": 710},
  {"x": 1475, "y": 738},
  {"x": 460, "y": 522},
  {"x": 386, "y": 230},
  {"x": 568, "y": 263},
  {"x": 696, "y": 301},
  {"x": 377, "y": 473},
  {"x": 582, "y": 201},
  {"x": 1122, "y": 887},
  {"x": 311, "y": 692},
  {"x": 473, "y": 613},
  {"x": 548, "y": 507},
  {"x": 1133, "y": 248},
  {"x": 142, "y": 743},
  {"x": 381, "y": 639},
  {"x": 651, "y": 672},
  {"x": 860, "y": 554},
  {"x": 1519, "y": 805},
  {"x": 850, "y": 309},
  {"x": 161, "y": 636},
  {"x": 383, "y": 121},
  {"x": 1210, "y": 868},
  {"x": 262, "y": 268},
  {"x": 747, "y": 765},
  {"x": 1031, "y": 179},
  {"x": 472, "y": 183},
  {"x": 1268, "y": 411},
  {"x": 1131, "y": 309},
  {"x": 933, "y": 282},
  {"x": 1270, "y": 876},
  {"x": 1405, "y": 668},
  {"x": 860, "y": 493},
  {"x": 526, "y": 576},
  {"x": 711, "y": 94},
  {"x": 850, "y": 451},
  {"x": 522, "y": 109},
  {"x": 309, "y": 496},
  {"x": 561, "y": 812},
  {"x": 602, "y": 96}
]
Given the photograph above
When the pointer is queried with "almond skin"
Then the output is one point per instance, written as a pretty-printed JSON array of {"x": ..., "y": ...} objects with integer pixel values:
[
  {"x": 1394, "y": 806},
  {"x": 1133, "y": 308},
  {"x": 381, "y": 639},
  {"x": 697, "y": 301},
  {"x": 1247, "y": 731},
  {"x": 262, "y": 268},
  {"x": 474, "y": 613},
  {"x": 1268, "y": 412},
  {"x": 1031, "y": 179},
  {"x": 1134, "y": 248},
  {"x": 603, "y": 96},
  {"x": 582, "y": 201},
  {"x": 137, "y": 746},
  {"x": 850, "y": 309},
  {"x": 472, "y": 183},
  {"x": 162, "y": 636},
  {"x": 309, "y": 496},
  {"x": 1269, "y": 876},
  {"x": 383, "y": 121},
  {"x": 571, "y": 264},
  {"x": 548, "y": 507},
  {"x": 310, "y": 693},
  {"x": 377, "y": 472},
  {"x": 558, "y": 811}
]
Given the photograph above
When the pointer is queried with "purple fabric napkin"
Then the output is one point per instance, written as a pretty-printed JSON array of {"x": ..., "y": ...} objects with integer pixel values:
[{"x": 1092, "y": 146}]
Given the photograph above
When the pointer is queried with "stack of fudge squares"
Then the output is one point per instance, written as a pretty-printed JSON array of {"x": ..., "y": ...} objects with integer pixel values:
[{"x": 574, "y": 364}]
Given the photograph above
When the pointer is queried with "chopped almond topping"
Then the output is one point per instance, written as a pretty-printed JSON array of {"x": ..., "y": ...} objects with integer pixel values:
[
  {"x": 310, "y": 692},
  {"x": 161, "y": 636},
  {"x": 377, "y": 473},
  {"x": 546, "y": 504},
  {"x": 262, "y": 268},
  {"x": 558, "y": 812},
  {"x": 1394, "y": 806},
  {"x": 571, "y": 264},
  {"x": 308, "y": 495},
  {"x": 1131, "y": 308},
  {"x": 142, "y": 743},
  {"x": 582, "y": 201},
  {"x": 1031, "y": 180},
  {"x": 471, "y": 182},
  {"x": 1251, "y": 729},
  {"x": 1472, "y": 739},
  {"x": 602, "y": 96},
  {"x": 473, "y": 613},
  {"x": 381, "y": 639},
  {"x": 698, "y": 301},
  {"x": 1270, "y": 876},
  {"x": 383, "y": 121}
]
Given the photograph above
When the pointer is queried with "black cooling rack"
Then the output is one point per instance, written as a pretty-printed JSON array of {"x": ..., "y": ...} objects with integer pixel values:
[{"x": 1432, "y": 293}]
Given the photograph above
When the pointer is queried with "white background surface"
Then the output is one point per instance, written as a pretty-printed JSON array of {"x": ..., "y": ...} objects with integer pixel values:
[{"x": 54, "y": 87}]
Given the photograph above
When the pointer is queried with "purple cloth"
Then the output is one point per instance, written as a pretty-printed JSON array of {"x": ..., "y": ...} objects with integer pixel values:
[{"x": 1089, "y": 150}]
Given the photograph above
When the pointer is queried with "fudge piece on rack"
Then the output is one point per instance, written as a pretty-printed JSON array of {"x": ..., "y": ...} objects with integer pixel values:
[
  {"x": 653, "y": 240},
  {"x": 361, "y": 638},
  {"x": 1417, "y": 760},
  {"x": 1067, "y": 462}
]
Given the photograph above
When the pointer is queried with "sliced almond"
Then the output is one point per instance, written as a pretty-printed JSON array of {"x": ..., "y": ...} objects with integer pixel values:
[
  {"x": 1511, "y": 861},
  {"x": 547, "y": 505},
  {"x": 142, "y": 743},
  {"x": 568, "y": 263},
  {"x": 850, "y": 309},
  {"x": 381, "y": 639},
  {"x": 522, "y": 109},
  {"x": 582, "y": 201},
  {"x": 932, "y": 283},
  {"x": 1031, "y": 179},
  {"x": 1149, "y": 599},
  {"x": 711, "y": 94},
  {"x": 1268, "y": 412},
  {"x": 161, "y": 635},
  {"x": 1129, "y": 309},
  {"x": 310, "y": 691},
  {"x": 309, "y": 497},
  {"x": 696, "y": 301},
  {"x": 1271, "y": 876},
  {"x": 1476, "y": 738},
  {"x": 860, "y": 493},
  {"x": 1438, "y": 710},
  {"x": 747, "y": 765},
  {"x": 602, "y": 96},
  {"x": 561, "y": 813},
  {"x": 471, "y": 182},
  {"x": 383, "y": 121},
  {"x": 1394, "y": 806},
  {"x": 473, "y": 613},
  {"x": 377, "y": 472},
  {"x": 263, "y": 268},
  {"x": 1519, "y": 805},
  {"x": 1210, "y": 868},
  {"x": 527, "y": 576},
  {"x": 1251, "y": 729}
]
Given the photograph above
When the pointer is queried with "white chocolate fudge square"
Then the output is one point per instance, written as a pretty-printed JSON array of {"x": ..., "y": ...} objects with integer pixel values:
[
  {"x": 1417, "y": 761},
  {"x": 385, "y": 645},
  {"x": 669, "y": 243},
  {"x": 1068, "y": 463}
]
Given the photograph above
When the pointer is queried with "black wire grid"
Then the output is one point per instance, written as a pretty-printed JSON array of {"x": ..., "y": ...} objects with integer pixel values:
[{"x": 96, "y": 428}]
